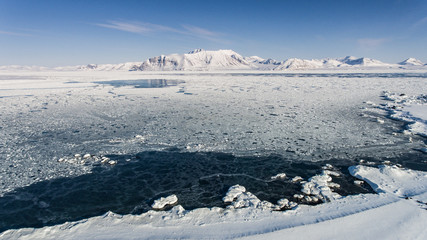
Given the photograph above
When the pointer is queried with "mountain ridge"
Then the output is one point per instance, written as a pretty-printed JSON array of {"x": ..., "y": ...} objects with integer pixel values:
[{"x": 215, "y": 60}]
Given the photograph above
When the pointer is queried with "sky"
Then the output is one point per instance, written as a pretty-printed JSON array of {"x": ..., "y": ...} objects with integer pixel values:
[{"x": 72, "y": 32}]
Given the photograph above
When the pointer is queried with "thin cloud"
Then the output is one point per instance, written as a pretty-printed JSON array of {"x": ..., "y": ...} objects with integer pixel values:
[
  {"x": 371, "y": 43},
  {"x": 149, "y": 28},
  {"x": 135, "y": 27},
  {"x": 419, "y": 23},
  {"x": 14, "y": 34},
  {"x": 203, "y": 33},
  {"x": 197, "y": 31}
]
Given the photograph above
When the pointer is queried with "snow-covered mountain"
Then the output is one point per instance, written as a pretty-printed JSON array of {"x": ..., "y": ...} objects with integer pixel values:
[
  {"x": 366, "y": 62},
  {"x": 261, "y": 63},
  {"x": 129, "y": 66},
  {"x": 203, "y": 60},
  {"x": 22, "y": 68},
  {"x": 412, "y": 62},
  {"x": 101, "y": 67},
  {"x": 296, "y": 63},
  {"x": 197, "y": 60}
]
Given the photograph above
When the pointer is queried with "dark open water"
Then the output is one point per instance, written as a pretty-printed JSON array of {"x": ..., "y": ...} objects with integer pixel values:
[{"x": 198, "y": 179}]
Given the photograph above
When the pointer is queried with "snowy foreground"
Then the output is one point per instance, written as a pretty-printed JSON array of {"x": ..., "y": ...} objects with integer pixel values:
[
  {"x": 63, "y": 124},
  {"x": 398, "y": 211}
]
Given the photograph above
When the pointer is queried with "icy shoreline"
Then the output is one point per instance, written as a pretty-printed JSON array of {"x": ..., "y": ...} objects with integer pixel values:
[
  {"x": 410, "y": 109},
  {"x": 401, "y": 194}
]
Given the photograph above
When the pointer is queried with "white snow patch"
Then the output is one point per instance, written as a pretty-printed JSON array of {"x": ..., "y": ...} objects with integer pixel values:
[{"x": 392, "y": 179}]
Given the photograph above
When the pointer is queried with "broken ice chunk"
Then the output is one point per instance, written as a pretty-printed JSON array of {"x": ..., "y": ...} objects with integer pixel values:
[
  {"x": 298, "y": 196},
  {"x": 328, "y": 166},
  {"x": 296, "y": 179},
  {"x": 163, "y": 202},
  {"x": 105, "y": 160},
  {"x": 233, "y": 192},
  {"x": 279, "y": 176},
  {"x": 247, "y": 199},
  {"x": 320, "y": 186},
  {"x": 285, "y": 203},
  {"x": 358, "y": 182}
]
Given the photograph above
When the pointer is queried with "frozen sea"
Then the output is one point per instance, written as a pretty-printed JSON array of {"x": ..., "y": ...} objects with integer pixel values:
[{"x": 78, "y": 145}]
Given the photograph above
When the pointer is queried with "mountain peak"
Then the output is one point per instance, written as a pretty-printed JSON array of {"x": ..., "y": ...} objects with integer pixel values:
[
  {"x": 196, "y": 51},
  {"x": 226, "y": 59},
  {"x": 197, "y": 60},
  {"x": 412, "y": 62}
]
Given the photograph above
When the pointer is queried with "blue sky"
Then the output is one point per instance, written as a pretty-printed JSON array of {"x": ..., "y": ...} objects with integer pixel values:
[{"x": 69, "y": 32}]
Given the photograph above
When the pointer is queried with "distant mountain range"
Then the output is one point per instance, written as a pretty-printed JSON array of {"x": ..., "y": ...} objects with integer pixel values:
[{"x": 202, "y": 60}]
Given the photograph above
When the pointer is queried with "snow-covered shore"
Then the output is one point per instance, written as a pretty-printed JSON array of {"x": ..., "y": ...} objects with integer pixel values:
[{"x": 398, "y": 211}]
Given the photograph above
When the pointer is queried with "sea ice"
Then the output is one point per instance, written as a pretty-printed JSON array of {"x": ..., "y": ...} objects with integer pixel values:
[
  {"x": 297, "y": 179},
  {"x": 163, "y": 202},
  {"x": 279, "y": 176},
  {"x": 320, "y": 186},
  {"x": 306, "y": 116},
  {"x": 233, "y": 192},
  {"x": 411, "y": 109},
  {"x": 303, "y": 116}
]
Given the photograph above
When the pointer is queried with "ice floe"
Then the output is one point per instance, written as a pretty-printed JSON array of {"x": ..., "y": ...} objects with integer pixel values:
[
  {"x": 279, "y": 176},
  {"x": 163, "y": 202},
  {"x": 297, "y": 179}
]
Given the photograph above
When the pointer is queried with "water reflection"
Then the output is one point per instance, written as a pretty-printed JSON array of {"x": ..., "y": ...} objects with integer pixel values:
[{"x": 142, "y": 83}]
